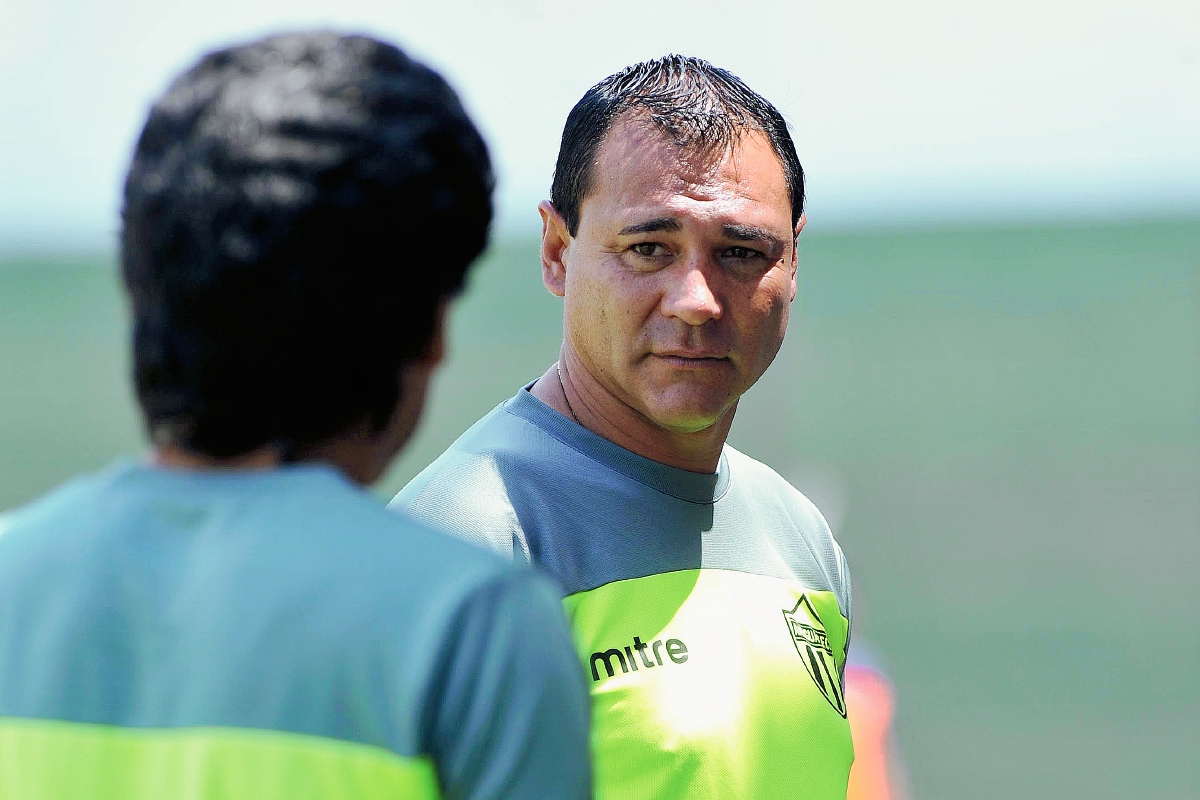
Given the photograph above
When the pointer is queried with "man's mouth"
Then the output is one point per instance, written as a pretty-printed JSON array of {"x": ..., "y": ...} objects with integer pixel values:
[{"x": 691, "y": 358}]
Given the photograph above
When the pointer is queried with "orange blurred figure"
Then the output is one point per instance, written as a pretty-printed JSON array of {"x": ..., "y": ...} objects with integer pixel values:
[{"x": 878, "y": 772}]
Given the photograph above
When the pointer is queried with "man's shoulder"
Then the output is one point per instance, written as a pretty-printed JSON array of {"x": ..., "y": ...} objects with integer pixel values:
[
  {"x": 468, "y": 490},
  {"x": 464, "y": 494},
  {"x": 47, "y": 520},
  {"x": 314, "y": 516},
  {"x": 805, "y": 533},
  {"x": 768, "y": 483},
  {"x": 306, "y": 546}
]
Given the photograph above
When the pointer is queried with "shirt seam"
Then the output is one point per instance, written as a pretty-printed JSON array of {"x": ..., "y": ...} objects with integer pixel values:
[{"x": 831, "y": 590}]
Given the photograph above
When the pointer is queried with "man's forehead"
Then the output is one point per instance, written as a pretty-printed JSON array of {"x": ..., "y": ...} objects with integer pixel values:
[{"x": 649, "y": 181}]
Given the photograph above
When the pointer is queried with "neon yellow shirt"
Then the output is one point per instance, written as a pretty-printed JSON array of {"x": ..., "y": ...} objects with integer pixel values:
[{"x": 711, "y": 613}]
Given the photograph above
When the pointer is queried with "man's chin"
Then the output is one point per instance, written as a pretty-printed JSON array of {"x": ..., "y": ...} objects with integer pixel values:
[
  {"x": 687, "y": 419},
  {"x": 685, "y": 406}
]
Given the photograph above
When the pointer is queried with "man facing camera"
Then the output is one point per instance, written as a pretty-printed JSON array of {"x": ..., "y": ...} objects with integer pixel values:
[
  {"x": 709, "y": 603},
  {"x": 237, "y": 617}
]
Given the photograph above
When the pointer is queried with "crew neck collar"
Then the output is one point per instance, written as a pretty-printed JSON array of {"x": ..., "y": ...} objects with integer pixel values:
[{"x": 694, "y": 487}]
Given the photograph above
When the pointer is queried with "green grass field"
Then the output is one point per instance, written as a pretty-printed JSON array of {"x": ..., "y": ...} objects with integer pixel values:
[{"x": 1004, "y": 425}]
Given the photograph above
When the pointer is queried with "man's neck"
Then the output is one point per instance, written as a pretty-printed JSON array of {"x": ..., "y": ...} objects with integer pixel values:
[
  {"x": 574, "y": 393},
  {"x": 357, "y": 457},
  {"x": 173, "y": 457}
]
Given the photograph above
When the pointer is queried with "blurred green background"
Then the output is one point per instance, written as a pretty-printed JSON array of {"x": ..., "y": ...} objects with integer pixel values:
[{"x": 1003, "y": 425}]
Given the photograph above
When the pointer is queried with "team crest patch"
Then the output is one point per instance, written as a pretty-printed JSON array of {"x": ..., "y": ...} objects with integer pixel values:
[{"x": 812, "y": 643}]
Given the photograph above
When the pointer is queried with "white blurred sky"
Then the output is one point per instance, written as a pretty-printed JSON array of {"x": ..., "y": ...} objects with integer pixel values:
[{"x": 903, "y": 112}]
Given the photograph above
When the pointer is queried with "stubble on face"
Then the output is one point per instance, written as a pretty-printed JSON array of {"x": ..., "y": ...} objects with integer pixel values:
[{"x": 678, "y": 281}]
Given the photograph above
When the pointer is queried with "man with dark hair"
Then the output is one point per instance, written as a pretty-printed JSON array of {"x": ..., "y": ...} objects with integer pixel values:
[
  {"x": 238, "y": 618},
  {"x": 709, "y": 602}
]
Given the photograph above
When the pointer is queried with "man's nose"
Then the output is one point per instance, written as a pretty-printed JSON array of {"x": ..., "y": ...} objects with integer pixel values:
[{"x": 690, "y": 296}]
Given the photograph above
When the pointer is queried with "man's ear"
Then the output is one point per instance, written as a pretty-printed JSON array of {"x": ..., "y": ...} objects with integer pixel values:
[
  {"x": 556, "y": 240},
  {"x": 800, "y": 223},
  {"x": 435, "y": 350}
]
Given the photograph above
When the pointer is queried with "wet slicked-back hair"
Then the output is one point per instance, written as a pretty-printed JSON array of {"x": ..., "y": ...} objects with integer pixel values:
[
  {"x": 692, "y": 102},
  {"x": 296, "y": 210}
]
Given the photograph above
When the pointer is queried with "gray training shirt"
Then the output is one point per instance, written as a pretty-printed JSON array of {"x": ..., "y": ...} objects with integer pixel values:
[
  {"x": 269, "y": 635},
  {"x": 711, "y": 613}
]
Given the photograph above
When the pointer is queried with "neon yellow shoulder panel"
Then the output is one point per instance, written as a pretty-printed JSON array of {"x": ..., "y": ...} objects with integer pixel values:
[
  {"x": 710, "y": 683},
  {"x": 51, "y": 760}
]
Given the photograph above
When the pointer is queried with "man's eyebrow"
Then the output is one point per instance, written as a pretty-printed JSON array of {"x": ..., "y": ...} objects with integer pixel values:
[
  {"x": 750, "y": 233},
  {"x": 651, "y": 226}
]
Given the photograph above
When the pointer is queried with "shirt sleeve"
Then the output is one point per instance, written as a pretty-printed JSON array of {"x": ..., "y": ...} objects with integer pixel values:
[
  {"x": 846, "y": 598},
  {"x": 511, "y": 713},
  {"x": 465, "y": 495}
]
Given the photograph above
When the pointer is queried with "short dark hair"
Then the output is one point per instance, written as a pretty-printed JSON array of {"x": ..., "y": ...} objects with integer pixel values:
[
  {"x": 296, "y": 211},
  {"x": 690, "y": 101}
]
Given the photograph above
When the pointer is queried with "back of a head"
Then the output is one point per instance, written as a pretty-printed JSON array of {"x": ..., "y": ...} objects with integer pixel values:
[
  {"x": 692, "y": 102},
  {"x": 296, "y": 211}
]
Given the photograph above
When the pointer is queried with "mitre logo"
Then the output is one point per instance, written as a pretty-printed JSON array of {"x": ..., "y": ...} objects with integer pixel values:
[
  {"x": 808, "y": 634},
  {"x": 651, "y": 656}
]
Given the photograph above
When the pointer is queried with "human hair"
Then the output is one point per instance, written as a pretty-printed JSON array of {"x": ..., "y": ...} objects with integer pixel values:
[
  {"x": 691, "y": 101},
  {"x": 297, "y": 210}
]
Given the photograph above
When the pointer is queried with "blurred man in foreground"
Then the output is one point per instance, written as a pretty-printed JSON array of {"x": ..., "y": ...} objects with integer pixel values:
[
  {"x": 238, "y": 618},
  {"x": 709, "y": 603}
]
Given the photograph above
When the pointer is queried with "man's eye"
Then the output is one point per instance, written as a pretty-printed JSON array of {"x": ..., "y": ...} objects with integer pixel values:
[
  {"x": 649, "y": 249},
  {"x": 742, "y": 252}
]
